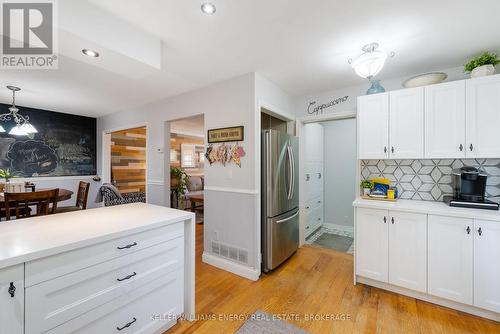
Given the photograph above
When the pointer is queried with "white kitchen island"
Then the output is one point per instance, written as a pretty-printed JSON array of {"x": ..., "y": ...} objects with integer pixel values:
[{"x": 119, "y": 269}]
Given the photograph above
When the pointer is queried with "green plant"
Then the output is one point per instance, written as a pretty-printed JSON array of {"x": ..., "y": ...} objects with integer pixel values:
[
  {"x": 7, "y": 174},
  {"x": 181, "y": 179},
  {"x": 365, "y": 184},
  {"x": 486, "y": 58}
]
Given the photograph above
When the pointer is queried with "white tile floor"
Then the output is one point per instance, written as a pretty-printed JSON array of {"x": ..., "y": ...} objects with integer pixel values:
[{"x": 313, "y": 237}]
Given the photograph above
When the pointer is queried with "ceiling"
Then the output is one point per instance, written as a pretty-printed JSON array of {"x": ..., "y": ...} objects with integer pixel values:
[
  {"x": 153, "y": 49},
  {"x": 190, "y": 126}
]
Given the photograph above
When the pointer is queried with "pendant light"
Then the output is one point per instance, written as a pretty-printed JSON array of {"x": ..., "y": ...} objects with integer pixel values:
[{"x": 23, "y": 127}]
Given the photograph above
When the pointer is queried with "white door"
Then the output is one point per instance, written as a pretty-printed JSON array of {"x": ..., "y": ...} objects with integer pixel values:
[
  {"x": 12, "y": 300},
  {"x": 372, "y": 245},
  {"x": 450, "y": 246},
  {"x": 445, "y": 120},
  {"x": 408, "y": 250},
  {"x": 373, "y": 126},
  {"x": 406, "y": 124},
  {"x": 487, "y": 265},
  {"x": 483, "y": 117}
]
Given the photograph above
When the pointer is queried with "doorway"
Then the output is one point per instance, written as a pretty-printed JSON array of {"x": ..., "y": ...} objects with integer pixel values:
[
  {"x": 187, "y": 160},
  {"x": 329, "y": 165}
]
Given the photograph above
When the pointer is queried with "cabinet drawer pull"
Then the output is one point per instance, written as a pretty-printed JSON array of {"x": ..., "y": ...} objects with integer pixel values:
[
  {"x": 308, "y": 177},
  {"x": 471, "y": 147},
  {"x": 468, "y": 229},
  {"x": 128, "y": 246},
  {"x": 461, "y": 147},
  {"x": 12, "y": 290},
  {"x": 126, "y": 277},
  {"x": 480, "y": 231},
  {"x": 385, "y": 219},
  {"x": 392, "y": 149},
  {"x": 319, "y": 175},
  {"x": 127, "y": 325},
  {"x": 392, "y": 220},
  {"x": 307, "y": 207},
  {"x": 385, "y": 149}
]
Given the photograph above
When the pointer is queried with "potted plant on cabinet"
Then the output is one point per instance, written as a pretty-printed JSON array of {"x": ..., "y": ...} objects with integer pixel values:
[
  {"x": 482, "y": 65},
  {"x": 178, "y": 183},
  {"x": 367, "y": 187},
  {"x": 6, "y": 174}
]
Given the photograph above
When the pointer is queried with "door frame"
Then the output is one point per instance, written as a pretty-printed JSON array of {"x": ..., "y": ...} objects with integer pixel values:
[
  {"x": 299, "y": 130},
  {"x": 106, "y": 152}
]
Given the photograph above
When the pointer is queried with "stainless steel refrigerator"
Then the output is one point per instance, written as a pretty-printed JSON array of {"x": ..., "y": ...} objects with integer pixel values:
[{"x": 280, "y": 198}]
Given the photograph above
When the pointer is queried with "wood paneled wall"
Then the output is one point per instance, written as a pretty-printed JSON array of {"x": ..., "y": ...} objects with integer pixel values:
[{"x": 128, "y": 159}]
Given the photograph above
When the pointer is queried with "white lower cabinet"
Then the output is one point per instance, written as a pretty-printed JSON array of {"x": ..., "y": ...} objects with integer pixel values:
[
  {"x": 450, "y": 242},
  {"x": 487, "y": 265},
  {"x": 408, "y": 250},
  {"x": 372, "y": 244},
  {"x": 12, "y": 300}
]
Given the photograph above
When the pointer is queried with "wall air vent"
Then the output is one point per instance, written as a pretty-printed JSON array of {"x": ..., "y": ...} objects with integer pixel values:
[{"x": 230, "y": 252}]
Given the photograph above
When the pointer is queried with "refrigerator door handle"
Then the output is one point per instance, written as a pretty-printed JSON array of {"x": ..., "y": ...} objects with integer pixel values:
[
  {"x": 292, "y": 192},
  {"x": 290, "y": 174},
  {"x": 287, "y": 219}
]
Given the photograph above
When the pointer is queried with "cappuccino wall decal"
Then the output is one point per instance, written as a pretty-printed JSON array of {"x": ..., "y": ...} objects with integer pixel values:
[{"x": 314, "y": 109}]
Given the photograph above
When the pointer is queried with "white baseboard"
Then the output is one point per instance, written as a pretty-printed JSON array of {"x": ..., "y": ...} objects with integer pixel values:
[
  {"x": 235, "y": 268},
  {"x": 342, "y": 228},
  {"x": 431, "y": 299}
]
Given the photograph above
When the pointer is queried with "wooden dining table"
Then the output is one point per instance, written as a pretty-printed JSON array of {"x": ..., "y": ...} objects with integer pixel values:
[{"x": 64, "y": 194}]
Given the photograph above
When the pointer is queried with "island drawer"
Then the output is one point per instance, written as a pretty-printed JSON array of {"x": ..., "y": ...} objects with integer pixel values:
[
  {"x": 153, "y": 308},
  {"x": 61, "y": 299},
  {"x": 64, "y": 263}
]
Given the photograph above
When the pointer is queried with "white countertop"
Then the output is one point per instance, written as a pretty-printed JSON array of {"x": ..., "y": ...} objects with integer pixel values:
[
  {"x": 33, "y": 238},
  {"x": 427, "y": 207}
]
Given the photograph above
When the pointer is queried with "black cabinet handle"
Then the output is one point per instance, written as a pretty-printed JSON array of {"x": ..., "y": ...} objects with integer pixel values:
[
  {"x": 480, "y": 231},
  {"x": 461, "y": 147},
  {"x": 392, "y": 149},
  {"x": 385, "y": 149},
  {"x": 468, "y": 229},
  {"x": 319, "y": 175},
  {"x": 127, "y": 325},
  {"x": 385, "y": 219},
  {"x": 392, "y": 220},
  {"x": 12, "y": 290},
  {"x": 471, "y": 147},
  {"x": 128, "y": 246},
  {"x": 126, "y": 277}
]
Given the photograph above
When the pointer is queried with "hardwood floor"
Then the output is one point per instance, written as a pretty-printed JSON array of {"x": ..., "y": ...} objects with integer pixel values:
[{"x": 317, "y": 282}]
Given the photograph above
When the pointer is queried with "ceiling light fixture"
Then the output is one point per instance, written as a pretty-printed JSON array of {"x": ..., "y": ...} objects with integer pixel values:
[
  {"x": 23, "y": 127},
  {"x": 208, "y": 8},
  {"x": 370, "y": 62},
  {"x": 90, "y": 53}
]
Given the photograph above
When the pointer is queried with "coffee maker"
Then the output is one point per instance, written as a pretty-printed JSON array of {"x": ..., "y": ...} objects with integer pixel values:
[{"x": 469, "y": 188}]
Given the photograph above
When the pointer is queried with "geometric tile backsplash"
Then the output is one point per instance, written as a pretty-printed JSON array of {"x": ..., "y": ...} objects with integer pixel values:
[{"x": 429, "y": 180}]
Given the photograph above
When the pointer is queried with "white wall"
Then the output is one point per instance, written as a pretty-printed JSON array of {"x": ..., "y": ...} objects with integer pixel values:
[
  {"x": 340, "y": 171},
  {"x": 302, "y": 103},
  {"x": 229, "y": 189}
]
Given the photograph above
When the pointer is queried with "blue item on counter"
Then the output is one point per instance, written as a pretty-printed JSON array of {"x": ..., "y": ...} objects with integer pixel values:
[{"x": 380, "y": 188}]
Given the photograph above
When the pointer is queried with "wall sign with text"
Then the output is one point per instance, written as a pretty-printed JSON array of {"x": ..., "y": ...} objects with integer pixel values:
[
  {"x": 314, "y": 109},
  {"x": 224, "y": 135}
]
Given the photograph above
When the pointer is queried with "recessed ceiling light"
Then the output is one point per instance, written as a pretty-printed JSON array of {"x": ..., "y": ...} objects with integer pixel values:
[
  {"x": 90, "y": 53},
  {"x": 208, "y": 8}
]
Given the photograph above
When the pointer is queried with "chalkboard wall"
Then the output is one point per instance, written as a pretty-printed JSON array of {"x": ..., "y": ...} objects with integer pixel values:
[{"x": 65, "y": 145}]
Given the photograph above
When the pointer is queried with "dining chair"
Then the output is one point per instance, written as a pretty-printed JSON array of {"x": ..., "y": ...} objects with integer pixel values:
[
  {"x": 81, "y": 199},
  {"x": 18, "y": 204}
]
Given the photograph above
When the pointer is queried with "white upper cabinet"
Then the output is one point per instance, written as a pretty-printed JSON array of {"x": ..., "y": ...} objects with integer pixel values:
[
  {"x": 406, "y": 124},
  {"x": 487, "y": 265},
  {"x": 408, "y": 250},
  {"x": 445, "y": 120},
  {"x": 372, "y": 245},
  {"x": 450, "y": 246},
  {"x": 483, "y": 117},
  {"x": 373, "y": 126}
]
